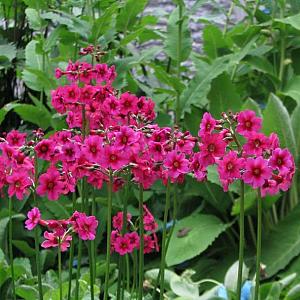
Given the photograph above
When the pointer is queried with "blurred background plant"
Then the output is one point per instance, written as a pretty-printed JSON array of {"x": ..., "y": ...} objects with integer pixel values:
[{"x": 246, "y": 57}]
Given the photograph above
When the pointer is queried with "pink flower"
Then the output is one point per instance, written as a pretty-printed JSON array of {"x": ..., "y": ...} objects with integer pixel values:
[
  {"x": 53, "y": 241},
  {"x": 134, "y": 239},
  {"x": 118, "y": 220},
  {"x": 257, "y": 172},
  {"x": 149, "y": 221},
  {"x": 256, "y": 143},
  {"x": 281, "y": 160},
  {"x": 176, "y": 164},
  {"x": 50, "y": 183},
  {"x": 207, "y": 125},
  {"x": 114, "y": 158},
  {"x": 58, "y": 73},
  {"x": 45, "y": 149},
  {"x": 196, "y": 166},
  {"x": 211, "y": 147},
  {"x": 71, "y": 93},
  {"x": 34, "y": 217},
  {"x": 229, "y": 168},
  {"x": 149, "y": 244},
  {"x": 86, "y": 227},
  {"x": 126, "y": 137},
  {"x": 16, "y": 138},
  {"x": 248, "y": 122},
  {"x": 122, "y": 245},
  {"x": 87, "y": 94},
  {"x": 19, "y": 183},
  {"x": 93, "y": 148},
  {"x": 128, "y": 103}
]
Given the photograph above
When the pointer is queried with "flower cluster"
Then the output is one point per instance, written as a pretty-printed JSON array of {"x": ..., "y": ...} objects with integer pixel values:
[
  {"x": 259, "y": 161},
  {"x": 59, "y": 232},
  {"x": 130, "y": 240}
]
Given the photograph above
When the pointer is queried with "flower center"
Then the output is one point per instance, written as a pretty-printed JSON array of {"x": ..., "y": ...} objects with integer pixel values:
[
  {"x": 248, "y": 124},
  {"x": 124, "y": 139},
  {"x": 93, "y": 149},
  {"x": 176, "y": 164},
  {"x": 113, "y": 157},
  {"x": 279, "y": 161},
  {"x": 17, "y": 184},
  {"x": 208, "y": 126},
  {"x": 211, "y": 148},
  {"x": 257, "y": 143},
  {"x": 44, "y": 148},
  {"x": 50, "y": 185},
  {"x": 256, "y": 171},
  {"x": 229, "y": 166}
]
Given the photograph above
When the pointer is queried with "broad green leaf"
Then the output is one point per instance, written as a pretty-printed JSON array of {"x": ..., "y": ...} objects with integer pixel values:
[
  {"x": 270, "y": 291},
  {"x": 293, "y": 293},
  {"x": 279, "y": 248},
  {"x": 294, "y": 21},
  {"x": 261, "y": 64},
  {"x": 252, "y": 105},
  {"x": 8, "y": 51},
  {"x": 223, "y": 96},
  {"x": 35, "y": 21},
  {"x": 34, "y": 114},
  {"x": 202, "y": 228},
  {"x": 292, "y": 88},
  {"x": 32, "y": 59},
  {"x": 5, "y": 109},
  {"x": 24, "y": 248},
  {"x": 172, "y": 39},
  {"x": 184, "y": 287},
  {"x": 295, "y": 117},
  {"x": 277, "y": 119},
  {"x": 152, "y": 275},
  {"x": 57, "y": 209},
  {"x": 27, "y": 292},
  {"x": 128, "y": 14},
  {"x": 22, "y": 267},
  {"x": 213, "y": 41}
]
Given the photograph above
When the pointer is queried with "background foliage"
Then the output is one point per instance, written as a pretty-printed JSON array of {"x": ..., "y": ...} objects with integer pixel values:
[{"x": 252, "y": 64}]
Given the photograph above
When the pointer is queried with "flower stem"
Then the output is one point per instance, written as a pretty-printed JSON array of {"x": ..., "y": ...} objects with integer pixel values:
[
  {"x": 164, "y": 244},
  {"x": 36, "y": 236},
  {"x": 78, "y": 269},
  {"x": 59, "y": 272},
  {"x": 11, "y": 257},
  {"x": 109, "y": 208},
  {"x": 258, "y": 245},
  {"x": 242, "y": 241},
  {"x": 91, "y": 263},
  {"x": 141, "y": 253}
]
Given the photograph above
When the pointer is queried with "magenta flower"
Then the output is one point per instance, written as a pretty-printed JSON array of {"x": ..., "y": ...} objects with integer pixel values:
[
  {"x": 248, "y": 122},
  {"x": 128, "y": 103},
  {"x": 71, "y": 93},
  {"x": 18, "y": 184},
  {"x": 93, "y": 147},
  {"x": 176, "y": 164},
  {"x": 16, "y": 138},
  {"x": 126, "y": 137},
  {"x": 134, "y": 239},
  {"x": 34, "y": 217},
  {"x": 45, "y": 149},
  {"x": 118, "y": 220},
  {"x": 50, "y": 184},
  {"x": 87, "y": 94},
  {"x": 53, "y": 241},
  {"x": 256, "y": 143},
  {"x": 149, "y": 244},
  {"x": 86, "y": 227},
  {"x": 207, "y": 125},
  {"x": 211, "y": 147},
  {"x": 281, "y": 160},
  {"x": 257, "y": 172},
  {"x": 122, "y": 245},
  {"x": 114, "y": 158},
  {"x": 196, "y": 166}
]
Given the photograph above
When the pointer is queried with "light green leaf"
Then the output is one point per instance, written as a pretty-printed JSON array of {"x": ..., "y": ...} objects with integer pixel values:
[
  {"x": 294, "y": 21},
  {"x": 293, "y": 293},
  {"x": 203, "y": 229},
  {"x": 35, "y": 21},
  {"x": 277, "y": 119},
  {"x": 292, "y": 88},
  {"x": 252, "y": 105},
  {"x": 171, "y": 40},
  {"x": 5, "y": 109},
  {"x": 279, "y": 248},
  {"x": 295, "y": 118},
  {"x": 184, "y": 287},
  {"x": 223, "y": 96},
  {"x": 128, "y": 14},
  {"x": 24, "y": 248},
  {"x": 8, "y": 51},
  {"x": 152, "y": 275},
  {"x": 270, "y": 291},
  {"x": 231, "y": 277},
  {"x": 27, "y": 292}
]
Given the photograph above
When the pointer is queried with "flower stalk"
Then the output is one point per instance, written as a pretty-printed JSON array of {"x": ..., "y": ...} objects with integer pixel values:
[
  {"x": 11, "y": 256},
  {"x": 141, "y": 252}
]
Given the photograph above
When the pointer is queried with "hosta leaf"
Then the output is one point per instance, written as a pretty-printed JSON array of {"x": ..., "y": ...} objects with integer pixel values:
[
  {"x": 8, "y": 51},
  {"x": 292, "y": 88},
  {"x": 223, "y": 96},
  {"x": 279, "y": 248},
  {"x": 171, "y": 40},
  {"x": 35, "y": 21},
  {"x": 203, "y": 230},
  {"x": 27, "y": 292},
  {"x": 128, "y": 14},
  {"x": 183, "y": 287},
  {"x": 277, "y": 119}
]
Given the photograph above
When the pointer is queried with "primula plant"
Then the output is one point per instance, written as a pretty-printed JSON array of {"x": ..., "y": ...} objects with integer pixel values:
[{"x": 111, "y": 144}]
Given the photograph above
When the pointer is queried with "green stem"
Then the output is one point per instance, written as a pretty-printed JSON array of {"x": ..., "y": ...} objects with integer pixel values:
[
  {"x": 127, "y": 272},
  {"x": 282, "y": 48},
  {"x": 11, "y": 256},
  {"x": 59, "y": 272},
  {"x": 36, "y": 235},
  {"x": 71, "y": 257},
  {"x": 228, "y": 17},
  {"x": 242, "y": 241},
  {"x": 119, "y": 277},
  {"x": 163, "y": 249},
  {"x": 177, "y": 115},
  {"x": 78, "y": 269},
  {"x": 252, "y": 231},
  {"x": 91, "y": 263},
  {"x": 109, "y": 208},
  {"x": 141, "y": 253},
  {"x": 258, "y": 246}
]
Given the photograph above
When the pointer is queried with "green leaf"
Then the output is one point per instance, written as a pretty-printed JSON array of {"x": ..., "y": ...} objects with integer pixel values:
[
  {"x": 213, "y": 41},
  {"x": 152, "y": 275},
  {"x": 231, "y": 278},
  {"x": 184, "y": 287},
  {"x": 35, "y": 21},
  {"x": 128, "y": 14},
  {"x": 293, "y": 293},
  {"x": 295, "y": 118},
  {"x": 8, "y": 51},
  {"x": 22, "y": 267},
  {"x": 24, "y": 248},
  {"x": 57, "y": 209},
  {"x": 252, "y": 105},
  {"x": 294, "y": 21},
  {"x": 203, "y": 230},
  {"x": 5, "y": 109},
  {"x": 276, "y": 119},
  {"x": 36, "y": 115},
  {"x": 27, "y": 292},
  {"x": 270, "y": 291},
  {"x": 279, "y": 248},
  {"x": 223, "y": 96},
  {"x": 172, "y": 41},
  {"x": 292, "y": 88}
]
